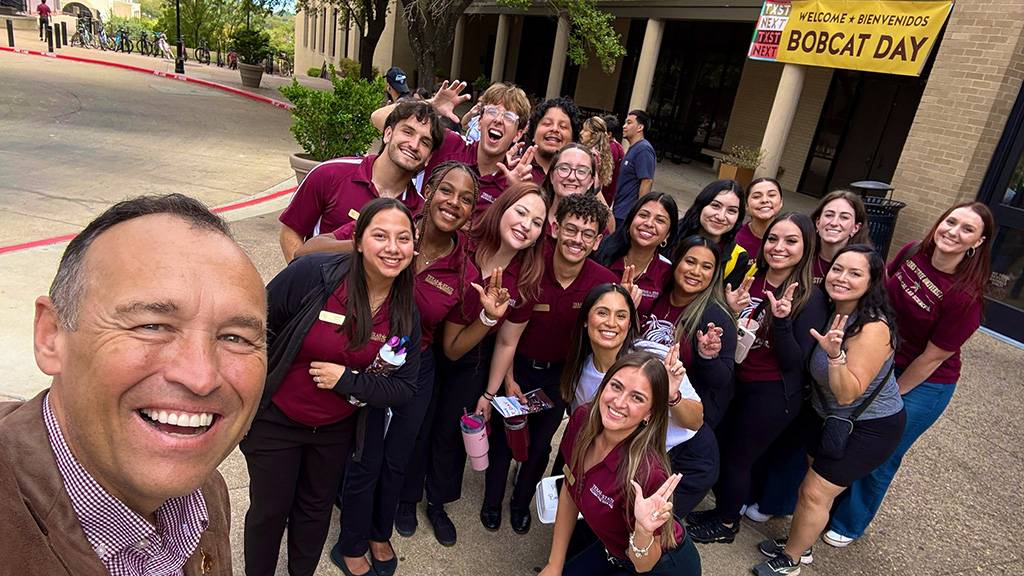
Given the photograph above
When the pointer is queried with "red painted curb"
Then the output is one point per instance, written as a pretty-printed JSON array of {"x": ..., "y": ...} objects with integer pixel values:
[
  {"x": 168, "y": 75},
  {"x": 219, "y": 210}
]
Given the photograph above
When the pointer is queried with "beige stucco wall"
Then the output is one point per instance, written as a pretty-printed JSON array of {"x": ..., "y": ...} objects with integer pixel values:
[
  {"x": 392, "y": 48},
  {"x": 594, "y": 87},
  {"x": 753, "y": 104}
]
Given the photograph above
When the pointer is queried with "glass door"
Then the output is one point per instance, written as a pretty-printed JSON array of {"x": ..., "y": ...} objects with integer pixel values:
[{"x": 1003, "y": 191}]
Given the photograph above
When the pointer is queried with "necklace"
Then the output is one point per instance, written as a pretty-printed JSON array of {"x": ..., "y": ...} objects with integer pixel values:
[
  {"x": 428, "y": 260},
  {"x": 639, "y": 271}
]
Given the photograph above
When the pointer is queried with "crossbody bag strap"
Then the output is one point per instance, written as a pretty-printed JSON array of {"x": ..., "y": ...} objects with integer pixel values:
[{"x": 864, "y": 405}]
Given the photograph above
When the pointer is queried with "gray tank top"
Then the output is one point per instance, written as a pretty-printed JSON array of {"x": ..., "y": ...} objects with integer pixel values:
[{"x": 887, "y": 403}]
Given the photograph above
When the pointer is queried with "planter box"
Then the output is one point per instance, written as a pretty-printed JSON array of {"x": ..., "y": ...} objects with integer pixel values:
[
  {"x": 737, "y": 173},
  {"x": 252, "y": 74},
  {"x": 302, "y": 164}
]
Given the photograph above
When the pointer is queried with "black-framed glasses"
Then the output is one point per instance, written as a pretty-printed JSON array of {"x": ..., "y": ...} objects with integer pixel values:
[{"x": 582, "y": 172}]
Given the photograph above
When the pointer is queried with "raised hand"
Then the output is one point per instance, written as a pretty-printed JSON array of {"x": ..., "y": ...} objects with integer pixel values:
[
  {"x": 448, "y": 96},
  {"x": 516, "y": 170},
  {"x": 652, "y": 512},
  {"x": 676, "y": 370},
  {"x": 326, "y": 374},
  {"x": 832, "y": 341},
  {"x": 739, "y": 298},
  {"x": 495, "y": 297},
  {"x": 709, "y": 343},
  {"x": 783, "y": 306},
  {"x": 627, "y": 282}
]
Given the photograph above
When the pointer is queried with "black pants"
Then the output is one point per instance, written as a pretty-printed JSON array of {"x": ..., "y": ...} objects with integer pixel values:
[
  {"x": 43, "y": 23},
  {"x": 759, "y": 413},
  {"x": 697, "y": 460},
  {"x": 294, "y": 473},
  {"x": 373, "y": 484},
  {"x": 683, "y": 560},
  {"x": 439, "y": 460},
  {"x": 542, "y": 426}
]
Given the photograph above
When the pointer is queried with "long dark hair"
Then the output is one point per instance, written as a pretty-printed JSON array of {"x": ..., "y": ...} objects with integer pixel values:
[
  {"x": 579, "y": 342},
  {"x": 359, "y": 321},
  {"x": 973, "y": 272},
  {"x": 618, "y": 243},
  {"x": 689, "y": 224},
  {"x": 487, "y": 234},
  {"x": 714, "y": 295},
  {"x": 802, "y": 272},
  {"x": 645, "y": 447},
  {"x": 874, "y": 305}
]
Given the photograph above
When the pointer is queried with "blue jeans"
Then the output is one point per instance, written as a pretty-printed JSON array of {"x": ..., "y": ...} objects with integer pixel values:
[{"x": 856, "y": 507}]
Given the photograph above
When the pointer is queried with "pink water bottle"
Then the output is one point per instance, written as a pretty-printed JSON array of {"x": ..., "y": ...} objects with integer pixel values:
[
  {"x": 518, "y": 436},
  {"x": 474, "y": 436}
]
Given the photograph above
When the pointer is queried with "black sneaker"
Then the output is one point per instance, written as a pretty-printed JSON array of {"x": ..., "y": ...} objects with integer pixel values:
[
  {"x": 781, "y": 565},
  {"x": 701, "y": 516},
  {"x": 444, "y": 529},
  {"x": 773, "y": 547},
  {"x": 405, "y": 519},
  {"x": 490, "y": 517},
  {"x": 712, "y": 531}
]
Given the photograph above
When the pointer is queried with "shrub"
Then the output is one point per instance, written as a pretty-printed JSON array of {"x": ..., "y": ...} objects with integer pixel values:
[
  {"x": 252, "y": 46},
  {"x": 331, "y": 124},
  {"x": 348, "y": 68},
  {"x": 744, "y": 156},
  {"x": 313, "y": 72}
]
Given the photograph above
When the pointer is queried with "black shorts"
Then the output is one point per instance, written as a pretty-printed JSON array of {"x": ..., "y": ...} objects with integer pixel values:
[{"x": 871, "y": 443}]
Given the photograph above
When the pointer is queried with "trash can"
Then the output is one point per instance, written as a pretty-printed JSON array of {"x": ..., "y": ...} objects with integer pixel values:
[
  {"x": 882, "y": 214},
  {"x": 871, "y": 188}
]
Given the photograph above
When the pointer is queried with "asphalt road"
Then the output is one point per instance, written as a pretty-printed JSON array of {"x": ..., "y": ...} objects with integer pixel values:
[{"x": 77, "y": 138}]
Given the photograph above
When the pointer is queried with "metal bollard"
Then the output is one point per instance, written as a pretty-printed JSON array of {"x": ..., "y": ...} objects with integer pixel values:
[
  {"x": 64, "y": 33},
  {"x": 49, "y": 38},
  {"x": 10, "y": 33}
]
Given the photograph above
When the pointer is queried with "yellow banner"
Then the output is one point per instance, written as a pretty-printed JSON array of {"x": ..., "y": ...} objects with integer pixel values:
[{"x": 891, "y": 36}]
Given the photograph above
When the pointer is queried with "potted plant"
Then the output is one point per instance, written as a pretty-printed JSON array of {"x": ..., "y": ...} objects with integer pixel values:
[
  {"x": 252, "y": 47},
  {"x": 739, "y": 164},
  {"x": 335, "y": 123}
]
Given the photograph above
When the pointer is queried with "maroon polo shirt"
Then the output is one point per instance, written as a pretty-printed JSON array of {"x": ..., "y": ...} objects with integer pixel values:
[
  {"x": 651, "y": 281},
  {"x": 761, "y": 365},
  {"x": 333, "y": 193},
  {"x": 601, "y": 497},
  {"x": 929, "y": 309},
  {"x": 749, "y": 242},
  {"x": 553, "y": 315},
  {"x": 298, "y": 397},
  {"x": 491, "y": 185},
  {"x": 44, "y": 11},
  {"x": 439, "y": 288}
]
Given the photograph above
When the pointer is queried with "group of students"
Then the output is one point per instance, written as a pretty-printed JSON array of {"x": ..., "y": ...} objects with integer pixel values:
[{"x": 704, "y": 353}]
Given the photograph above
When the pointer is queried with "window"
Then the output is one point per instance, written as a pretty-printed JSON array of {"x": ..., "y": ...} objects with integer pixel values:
[
  {"x": 334, "y": 32},
  {"x": 323, "y": 29},
  {"x": 305, "y": 29},
  {"x": 312, "y": 45}
]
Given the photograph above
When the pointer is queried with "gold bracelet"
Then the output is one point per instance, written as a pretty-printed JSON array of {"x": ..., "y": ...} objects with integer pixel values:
[{"x": 838, "y": 360}]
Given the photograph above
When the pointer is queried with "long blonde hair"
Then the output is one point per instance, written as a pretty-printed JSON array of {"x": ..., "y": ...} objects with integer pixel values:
[
  {"x": 599, "y": 143},
  {"x": 645, "y": 446}
]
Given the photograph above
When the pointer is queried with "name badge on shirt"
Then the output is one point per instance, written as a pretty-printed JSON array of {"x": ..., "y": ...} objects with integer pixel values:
[
  {"x": 353, "y": 214},
  {"x": 332, "y": 318},
  {"x": 568, "y": 474},
  {"x": 542, "y": 308}
]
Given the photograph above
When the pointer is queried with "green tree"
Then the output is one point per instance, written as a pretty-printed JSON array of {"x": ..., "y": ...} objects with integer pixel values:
[
  {"x": 432, "y": 29},
  {"x": 369, "y": 16}
]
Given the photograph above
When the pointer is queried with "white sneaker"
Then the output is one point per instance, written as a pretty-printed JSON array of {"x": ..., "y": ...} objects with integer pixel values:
[
  {"x": 833, "y": 538},
  {"x": 754, "y": 514}
]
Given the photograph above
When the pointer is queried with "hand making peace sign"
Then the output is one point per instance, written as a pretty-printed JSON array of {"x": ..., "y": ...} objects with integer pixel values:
[
  {"x": 783, "y": 306},
  {"x": 739, "y": 298},
  {"x": 651, "y": 513},
  {"x": 495, "y": 297},
  {"x": 676, "y": 370},
  {"x": 832, "y": 341},
  {"x": 516, "y": 170},
  {"x": 628, "y": 272},
  {"x": 709, "y": 343}
]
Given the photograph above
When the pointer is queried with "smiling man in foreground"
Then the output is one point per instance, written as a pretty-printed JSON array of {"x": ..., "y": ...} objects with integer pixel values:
[{"x": 154, "y": 335}]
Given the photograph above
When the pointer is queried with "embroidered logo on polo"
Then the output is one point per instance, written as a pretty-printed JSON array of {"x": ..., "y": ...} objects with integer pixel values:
[
  {"x": 912, "y": 285},
  {"x": 378, "y": 337},
  {"x": 430, "y": 279},
  {"x": 601, "y": 497}
]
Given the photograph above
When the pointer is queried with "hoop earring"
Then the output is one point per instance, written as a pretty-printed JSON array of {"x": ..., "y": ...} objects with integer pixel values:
[
  {"x": 970, "y": 252},
  {"x": 664, "y": 243}
]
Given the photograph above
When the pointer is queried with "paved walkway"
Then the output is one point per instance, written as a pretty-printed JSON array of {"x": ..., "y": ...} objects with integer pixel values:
[{"x": 956, "y": 507}]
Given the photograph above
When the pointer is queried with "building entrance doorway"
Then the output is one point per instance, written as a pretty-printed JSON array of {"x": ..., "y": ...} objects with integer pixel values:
[{"x": 862, "y": 129}]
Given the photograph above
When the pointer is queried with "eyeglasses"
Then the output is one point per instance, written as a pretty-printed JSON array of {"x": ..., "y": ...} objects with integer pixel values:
[
  {"x": 563, "y": 170},
  {"x": 571, "y": 231},
  {"x": 494, "y": 112}
]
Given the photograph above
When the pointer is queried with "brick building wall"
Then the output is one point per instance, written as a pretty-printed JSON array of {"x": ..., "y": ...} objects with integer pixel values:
[
  {"x": 976, "y": 78},
  {"x": 753, "y": 104}
]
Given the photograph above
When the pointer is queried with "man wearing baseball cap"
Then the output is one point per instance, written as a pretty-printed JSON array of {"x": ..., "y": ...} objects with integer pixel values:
[{"x": 397, "y": 87}]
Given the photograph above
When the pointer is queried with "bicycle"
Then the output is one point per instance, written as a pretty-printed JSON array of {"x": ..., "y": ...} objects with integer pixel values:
[
  {"x": 82, "y": 37},
  {"x": 161, "y": 48},
  {"x": 144, "y": 46},
  {"x": 102, "y": 41},
  {"x": 122, "y": 42},
  {"x": 285, "y": 67},
  {"x": 202, "y": 53}
]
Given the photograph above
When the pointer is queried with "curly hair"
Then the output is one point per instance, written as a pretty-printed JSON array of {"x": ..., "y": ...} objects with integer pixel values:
[
  {"x": 599, "y": 142},
  {"x": 567, "y": 106},
  {"x": 583, "y": 206}
]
